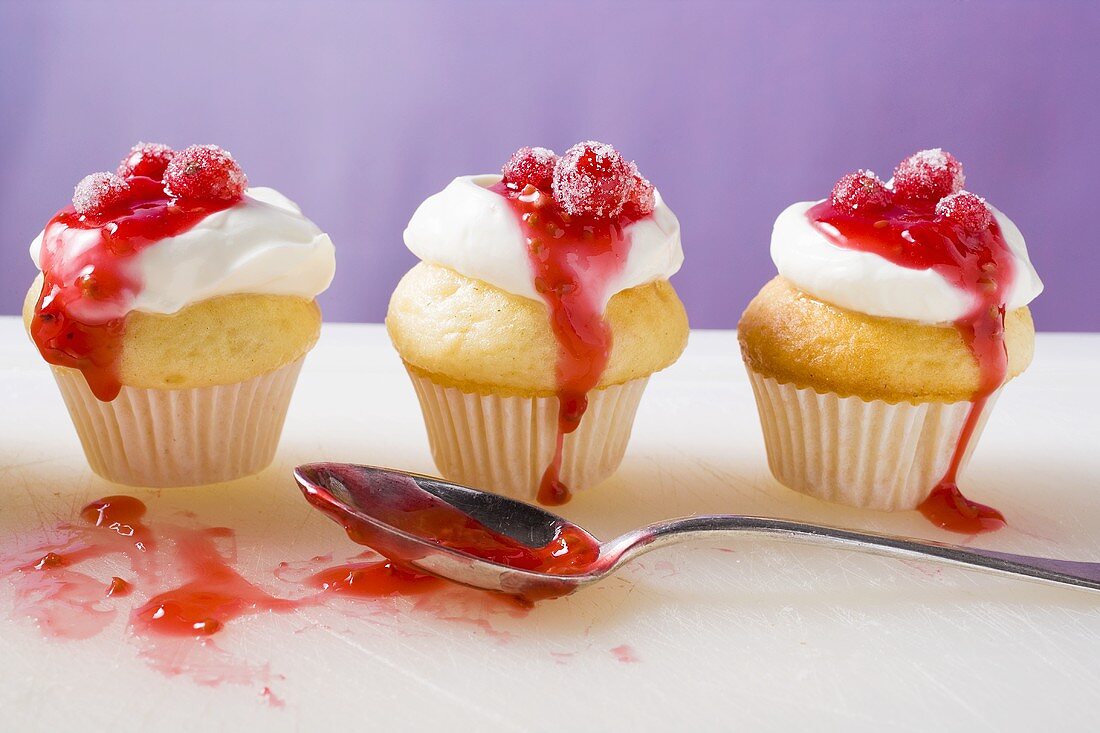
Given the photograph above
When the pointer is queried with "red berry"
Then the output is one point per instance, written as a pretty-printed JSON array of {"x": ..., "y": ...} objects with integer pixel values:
[
  {"x": 146, "y": 159},
  {"x": 642, "y": 198},
  {"x": 204, "y": 172},
  {"x": 534, "y": 166},
  {"x": 928, "y": 176},
  {"x": 592, "y": 179},
  {"x": 97, "y": 193},
  {"x": 968, "y": 210},
  {"x": 860, "y": 192}
]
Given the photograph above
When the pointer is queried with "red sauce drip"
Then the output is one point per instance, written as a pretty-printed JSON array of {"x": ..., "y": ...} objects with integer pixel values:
[
  {"x": 215, "y": 595},
  {"x": 123, "y": 516},
  {"x": 373, "y": 579},
  {"x": 978, "y": 263},
  {"x": 49, "y": 560},
  {"x": 400, "y": 502},
  {"x": 119, "y": 587},
  {"x": 572, "y": 259},
  {"x": 90, "y": 277}
]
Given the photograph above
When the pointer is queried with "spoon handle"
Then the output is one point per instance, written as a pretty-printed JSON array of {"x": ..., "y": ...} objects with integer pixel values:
[{"x": 1062, "y": 572}]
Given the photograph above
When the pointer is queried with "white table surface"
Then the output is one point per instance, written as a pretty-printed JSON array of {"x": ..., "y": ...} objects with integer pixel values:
[{"x": 755, "y": 635}]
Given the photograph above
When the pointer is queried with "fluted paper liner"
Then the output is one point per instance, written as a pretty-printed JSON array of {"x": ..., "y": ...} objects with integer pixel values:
[
  {"x": 504, "y": 443},
  {"x": 181, "y": 437},
  {"x": 870, "y": 454}
]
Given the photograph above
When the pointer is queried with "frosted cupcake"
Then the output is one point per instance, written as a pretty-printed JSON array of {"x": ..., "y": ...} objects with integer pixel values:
[
  {"x": 899, "y": 312},
  {"x": 539, "y": 311},
  {"x": 176, "y": 306}
]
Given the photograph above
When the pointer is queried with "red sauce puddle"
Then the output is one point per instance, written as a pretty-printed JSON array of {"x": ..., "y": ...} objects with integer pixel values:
[
  {"x": 90, "y": 277},
  {"x": 980, "y": 265},
  {"x": 572, "y": 260},
  {"x": 372, "y": 579},
  {"x": 187, "y": 590},
  {"x": 191, "y": 590}
]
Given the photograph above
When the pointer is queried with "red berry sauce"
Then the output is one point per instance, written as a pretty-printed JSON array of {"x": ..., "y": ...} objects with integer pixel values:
[
  {"x": 576, "y": 244},
  {"x": 952, "y": 237},
  {"x": 177, "y": 581},
  {"x": 215, "y": 594},
  {"x": 373, "y": 579},
  {"x": 64, "y": 601},
  {"x": 403, "y": 504},
  {"x": 88, "y": 263}
]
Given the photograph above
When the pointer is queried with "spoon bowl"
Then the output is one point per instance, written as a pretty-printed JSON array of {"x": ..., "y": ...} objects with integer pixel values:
[
  {"x": 362, "y": 500},
  {"x": 495, "y": 543}
]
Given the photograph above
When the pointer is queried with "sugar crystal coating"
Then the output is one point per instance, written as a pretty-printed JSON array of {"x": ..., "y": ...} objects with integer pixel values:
[
  {"x": 530, "y": 166},
  {"x": 860, "y": 192},
  {"x": 146, "y": 159},
  {"x": 99, "y": 192},
  {"x": 204, "y": 172},
  {"x": 642, "y": 197},
  {"x": 968, "y": 210},
  {"x": 928, "y": 175},
  {"x": 592, "y": 179}
]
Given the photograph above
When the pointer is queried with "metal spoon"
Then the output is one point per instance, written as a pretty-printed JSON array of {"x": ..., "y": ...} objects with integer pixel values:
[{"x": 359, "y": 496}]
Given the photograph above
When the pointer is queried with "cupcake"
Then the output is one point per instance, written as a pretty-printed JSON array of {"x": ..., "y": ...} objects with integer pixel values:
[
  {"x": 175, "y": 306},
  {"x": 539, "y": 310},
  {"x": 899, "y": 312}
]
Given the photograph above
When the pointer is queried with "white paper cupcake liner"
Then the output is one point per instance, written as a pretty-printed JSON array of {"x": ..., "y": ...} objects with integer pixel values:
[
  {"x": 181, "y": 437},
  {"x": 875, "y": 455},
  {"x": 504, "y": 444}
]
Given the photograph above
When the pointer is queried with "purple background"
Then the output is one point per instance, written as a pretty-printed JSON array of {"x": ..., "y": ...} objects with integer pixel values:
[{"x": 734, "y": 109}]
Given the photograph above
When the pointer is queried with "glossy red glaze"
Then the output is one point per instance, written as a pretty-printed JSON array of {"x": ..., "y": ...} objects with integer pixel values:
[
  {"x": 123, "y": 516},
  {"x": 90, "y": 277},
  {"x": 119, "y": 587},
  {"x": 50, "y": 587},
  {"x": 398, "y": 501},
  {"x": 572, "y": 260},
  {"x": 215, "y": 594},
  {"x": 373, "y": 579},
  {"x": 977, "y": 262},
  {"x": 946, "y": 507}
]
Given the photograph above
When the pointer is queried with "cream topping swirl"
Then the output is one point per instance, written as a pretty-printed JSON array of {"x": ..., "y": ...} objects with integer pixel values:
[
  {"x": 473, "y": 231},
  {"x": 867, "y": 283},
  {"x": 261, "y": 245}
]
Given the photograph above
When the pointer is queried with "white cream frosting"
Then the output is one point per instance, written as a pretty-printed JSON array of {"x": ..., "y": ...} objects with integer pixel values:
[
  {"x": 867, "y": 283},
  {"x": 474, "y": 232},
  {"x": 261, "y": 245}
]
